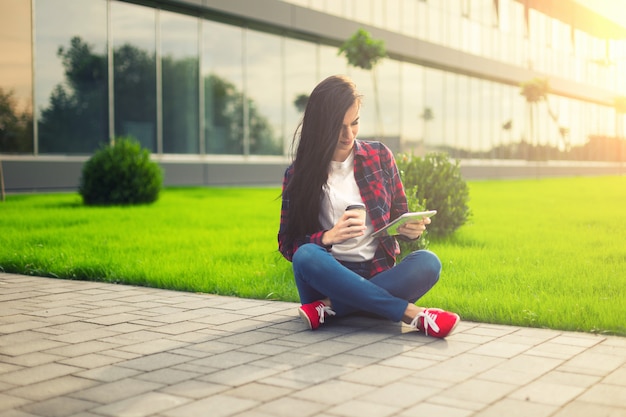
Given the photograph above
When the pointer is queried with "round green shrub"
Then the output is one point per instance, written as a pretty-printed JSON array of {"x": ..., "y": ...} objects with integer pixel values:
[
  {"x": 121, "y": 174},
  {"x": 436, "y": 183}
]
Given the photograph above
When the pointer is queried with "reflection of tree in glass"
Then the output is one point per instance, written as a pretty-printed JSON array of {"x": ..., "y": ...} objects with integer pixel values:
[
  {"x": 427, "y": 116},
  {"x": 76, "y": 119},
  {"x": 224, "y": 110},
  {"x": 135, "y": 94},
  {"x": 16, "y": 127},
  {"x": 300, "y": 102},
  {"x": 77, "y": 116}
]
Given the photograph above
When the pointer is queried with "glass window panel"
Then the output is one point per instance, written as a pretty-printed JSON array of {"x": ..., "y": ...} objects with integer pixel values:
[
  {"x": 422, "y": 20},
  {"x": 408, "y": 16},
  {"x": 578, "y": 135},
  {"x": 222, "y": 72},
  {"x": 317, "y": 4},
  {"x": 435, "y": 25},
  {"x": 379, "y": 110},
  {"x": 71, "y": 87},
  {"x": 378, "y": 15},
  {"x": 361, "y": 11},
  {"x": 464, "y": 118},
  {"x": 519, "y": 117},
  {"x": 387, "y": 74},
  {"x": 450, "y": 117},
  {"x": 392, "y": 15},
  {"x": 371, "y": 122},
  {"x": 300, "y": 79},
  {"x": 265, "y": 93},
  {"x": 506, "y": 142},
  {"x": 134, "y": 72},
  {"x": 330, "y": 63},
  {"x": 16, "y": 88},
  {"x": 473, "y": 122},
  {"x": 453, "y": 29},
  {"x": 412, "y": 96},
  {"x": 565, "y": 126},
  {"x": 179, "y": 69},
  {"x": 432, "y": 114},
  {"x": 493, "y": 117},
  {"x": 483, "y": 119},
  {"x": 335, "y": 7}
]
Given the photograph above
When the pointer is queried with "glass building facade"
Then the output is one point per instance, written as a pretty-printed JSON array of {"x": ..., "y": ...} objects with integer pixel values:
[{"x": 199, "y": 81}]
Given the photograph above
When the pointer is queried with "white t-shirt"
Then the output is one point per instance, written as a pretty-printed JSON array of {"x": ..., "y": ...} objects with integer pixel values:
[{"x": 341, "y": 191}]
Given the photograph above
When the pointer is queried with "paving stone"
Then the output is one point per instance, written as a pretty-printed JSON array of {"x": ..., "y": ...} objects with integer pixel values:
[
  {"x": 259, "y": 392},
  {"x": 500, "y": 349},
  {"x": 38, "y": 373},
  {"x": 142, "y": 405},
  {"x": 155, "y": 361},
  {"x": 547, "y": 393},
  {"x": 220, "y": 405},
  {"x": 376, "y": 375},
  {"x": 8, "y": 401},
  {"x": 52, "y": 388},
  {"x": 582, "y": 409},
  {"x": 400, "y": 394},
  {"x": 77, "y": 349},
  {"x": 516, "y": 408},
  {"x": 590, "y": 363},
  {"x": 91, "y": 360},
  {"x": 333, "y": 391},
  {"x": 429, "y": 409},
  {"x": 239, "y": 375},
  {"x": 32, "y": 359},
  {"x": 117, "y": 390},
  {"x": 227, "y": 359},
  {"x": 30, "y": 346},
  {"x": 618, "y": 377},
  {"x": 153, "y": 346},
  {"x": 285, "y": 406},
  {"x": 363, "y": 409},
  {"x": 478, "y": 391},
  {"x": 605, "y": 394},
  {"x": 58, "y": 407},
  {"x": 195, "y": 389},
  {"x": 168, "y": 376}
]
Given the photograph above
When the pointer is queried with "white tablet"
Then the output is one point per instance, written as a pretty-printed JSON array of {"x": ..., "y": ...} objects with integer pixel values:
[{"x": 412, "y": 217}]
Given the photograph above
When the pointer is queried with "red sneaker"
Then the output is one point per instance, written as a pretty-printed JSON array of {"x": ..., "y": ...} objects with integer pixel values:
[
  {"x": 313, "y": 313},
  {"x": 436, "y": 322}
]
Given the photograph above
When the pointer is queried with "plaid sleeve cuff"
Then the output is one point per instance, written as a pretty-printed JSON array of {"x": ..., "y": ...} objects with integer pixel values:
[{"x": 317, "y": 239}]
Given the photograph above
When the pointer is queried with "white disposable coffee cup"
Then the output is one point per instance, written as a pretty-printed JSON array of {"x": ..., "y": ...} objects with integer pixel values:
[{"x": 358, "y": 209}]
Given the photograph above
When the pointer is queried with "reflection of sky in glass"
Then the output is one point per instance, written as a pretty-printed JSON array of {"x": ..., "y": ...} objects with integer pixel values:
[
  {"x": 264, "y": 75},
  {"x": 222, "y": 51},
  {"x": 300, "y": 78},
  {"x": 134, "y": 25},
  {"x": 179, "y": 35},
  {"x": 56, "y": 23}
]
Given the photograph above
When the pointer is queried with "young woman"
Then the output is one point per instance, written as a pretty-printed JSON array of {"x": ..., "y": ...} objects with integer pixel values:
[{"x": 338, "y": 266}]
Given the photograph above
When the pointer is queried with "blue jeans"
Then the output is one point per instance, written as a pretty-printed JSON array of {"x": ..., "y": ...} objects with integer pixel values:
[{"x": 319, "y": 275}]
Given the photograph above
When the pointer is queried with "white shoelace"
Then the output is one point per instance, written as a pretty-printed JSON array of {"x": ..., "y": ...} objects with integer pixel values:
[
  {"x": 322, "y": 310},
  {"x": 429, "y": 321}
]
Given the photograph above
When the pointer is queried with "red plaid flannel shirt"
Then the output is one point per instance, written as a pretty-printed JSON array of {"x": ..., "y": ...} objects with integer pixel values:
[{"x": 382, "y": 192}]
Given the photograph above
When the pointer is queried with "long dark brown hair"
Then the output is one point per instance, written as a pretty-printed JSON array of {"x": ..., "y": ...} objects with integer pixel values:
[{"x": 316, "y": 138}]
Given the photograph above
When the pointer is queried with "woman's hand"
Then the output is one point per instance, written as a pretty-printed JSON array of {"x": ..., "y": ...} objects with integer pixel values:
[
  {"x": 414, "y": 230},
  {"x": 350, "y": 225}
]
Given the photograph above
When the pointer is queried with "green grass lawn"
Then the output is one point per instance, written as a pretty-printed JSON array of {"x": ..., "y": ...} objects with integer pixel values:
[{"x": 543, "y": 253}]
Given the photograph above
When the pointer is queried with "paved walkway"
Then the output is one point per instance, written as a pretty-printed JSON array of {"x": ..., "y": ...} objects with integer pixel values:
[{"x": 72, "y": 348}]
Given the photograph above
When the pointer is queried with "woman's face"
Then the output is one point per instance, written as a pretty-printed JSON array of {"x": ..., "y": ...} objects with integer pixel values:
[{"x": 349, "y": 130}]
